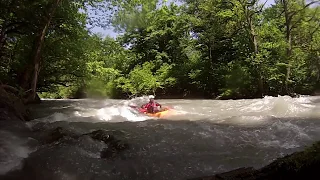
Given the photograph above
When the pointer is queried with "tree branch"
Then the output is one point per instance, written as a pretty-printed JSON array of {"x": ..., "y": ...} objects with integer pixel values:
[
  {"x": 294, "y": 24},
  {"x": 316, "y": 29},
  {"x": 264, "y": 4},
  {"x": 306, "y": 6}
]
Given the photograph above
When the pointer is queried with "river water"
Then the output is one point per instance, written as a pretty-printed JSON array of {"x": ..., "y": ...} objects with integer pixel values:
[{"x": 202, "y": 138}]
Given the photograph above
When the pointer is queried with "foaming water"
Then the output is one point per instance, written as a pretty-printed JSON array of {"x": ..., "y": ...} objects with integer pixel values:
[
  {"x": 13, "y": 150},
  {"x": 203, "y": 137},
  {"x": 256, "y": 110},
  {"x": 121, "y": 113},
  {"x": 282, "y": 106}
]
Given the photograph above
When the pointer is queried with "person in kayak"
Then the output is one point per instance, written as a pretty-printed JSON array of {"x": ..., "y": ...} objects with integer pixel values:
[{"x": 152, "y": 105}]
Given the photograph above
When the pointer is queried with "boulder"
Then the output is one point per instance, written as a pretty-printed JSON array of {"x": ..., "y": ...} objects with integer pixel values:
[
  {"x": 299, "y": 165},
  {"x": 56, "y": 134},
  {"x": 114, "y": 146},
  {"x": 12, "y": 106}
]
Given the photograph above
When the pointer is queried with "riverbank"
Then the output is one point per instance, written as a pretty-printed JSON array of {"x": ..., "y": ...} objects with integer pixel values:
[
  {"x": 182, "y": 96},
  {"x": 174, "y": 93}
]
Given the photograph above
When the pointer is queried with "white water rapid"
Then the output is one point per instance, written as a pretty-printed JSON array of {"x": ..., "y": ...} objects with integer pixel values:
[{"x": 202, "y": 138}]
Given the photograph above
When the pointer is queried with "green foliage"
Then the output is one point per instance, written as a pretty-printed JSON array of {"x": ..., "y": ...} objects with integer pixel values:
[
  {"x": 60, "y": 92},
  {"x": 237, "y": 81},
  {"x": 142, "y": 79},
  {"x": 234, "y": 49}
]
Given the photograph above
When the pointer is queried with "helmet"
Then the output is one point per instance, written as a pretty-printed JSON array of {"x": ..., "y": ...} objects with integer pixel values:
[{"x": 151, "y": 97}]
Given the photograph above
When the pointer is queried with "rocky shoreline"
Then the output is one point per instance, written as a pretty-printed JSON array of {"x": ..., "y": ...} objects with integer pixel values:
[{"x": 299, "y": 165}]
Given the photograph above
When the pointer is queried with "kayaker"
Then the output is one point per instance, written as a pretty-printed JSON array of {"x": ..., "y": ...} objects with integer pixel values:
[{"x": 152, "y": 105}]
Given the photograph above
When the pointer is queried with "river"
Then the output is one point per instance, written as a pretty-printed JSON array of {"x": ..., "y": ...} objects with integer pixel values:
[{"x": 204, "y": 137}]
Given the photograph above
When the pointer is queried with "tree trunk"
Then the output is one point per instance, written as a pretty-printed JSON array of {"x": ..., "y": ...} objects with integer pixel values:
[
  {"x": 253, "y": 40},
  {"x": 255, "y": 48},
  {"x": 289, "y": 52},
  {"x": 289, "y": 43},
  {"x": 37, "y": 49},
  {"x": 290, "y": 25}
]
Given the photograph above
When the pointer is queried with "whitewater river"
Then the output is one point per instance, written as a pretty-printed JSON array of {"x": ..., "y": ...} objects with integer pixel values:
[{"x": 204, "y": 137}]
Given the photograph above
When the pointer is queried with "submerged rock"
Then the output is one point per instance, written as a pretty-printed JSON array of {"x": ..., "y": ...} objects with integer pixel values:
[
  {"x": 114, "y": 146},
  {"x": 57, "y": 134},
  {"x": 101, "y": 135},
  {"x": 299, "y": 165}
]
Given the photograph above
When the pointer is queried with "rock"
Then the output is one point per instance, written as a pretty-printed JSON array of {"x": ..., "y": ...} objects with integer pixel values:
[
  {"x": 57, "y": 134},
  {"x": 234, "y": 174},
  {"x": 298, "y": 165},
  {"x": 12, "y": 107},
  {"x": 101, "y": 135},
  {"x": 114, "y": 146},
  {"x": 238, "y": 173},
  {"x": 294, "y": 95},
  {"x": 295, "y": 166},
  {"x": 113, "y": 149},
  {"x": 28, "y": 99}
]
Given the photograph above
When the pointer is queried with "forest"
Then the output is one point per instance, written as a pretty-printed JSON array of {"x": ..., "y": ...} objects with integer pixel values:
[{"x": 225, "y": 49}]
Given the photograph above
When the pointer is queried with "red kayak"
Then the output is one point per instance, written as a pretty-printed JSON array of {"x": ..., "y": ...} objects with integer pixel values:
[{"x": 162, "y": 113}]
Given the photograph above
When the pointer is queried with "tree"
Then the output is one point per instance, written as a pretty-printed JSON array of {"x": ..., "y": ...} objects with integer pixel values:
[{"x": 293, "y": 14}]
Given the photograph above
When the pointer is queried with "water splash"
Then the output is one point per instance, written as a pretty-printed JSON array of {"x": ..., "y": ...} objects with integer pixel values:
[
  {"x": 13, "y": 150},
  {"x": 120, "y": 113}
]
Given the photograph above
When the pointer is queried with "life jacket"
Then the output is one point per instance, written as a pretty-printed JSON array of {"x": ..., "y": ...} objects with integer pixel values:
[{"x": 151, "y": 107}]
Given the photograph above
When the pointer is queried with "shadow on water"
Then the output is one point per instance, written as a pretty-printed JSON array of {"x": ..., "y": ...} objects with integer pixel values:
[{"x": 164, "y": 149}]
